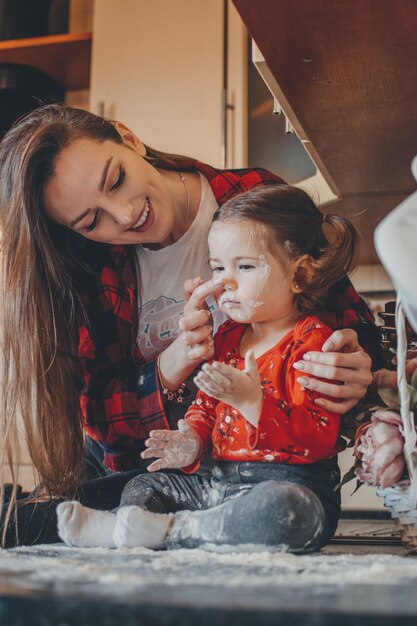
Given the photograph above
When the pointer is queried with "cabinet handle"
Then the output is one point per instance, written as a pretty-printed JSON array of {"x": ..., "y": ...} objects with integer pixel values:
[
  {"x": 101, "y": 108},
  {"x": 223, "y": 144},
  {"x": 277, "y": 109},
  {"x": 288, "y": 127}
]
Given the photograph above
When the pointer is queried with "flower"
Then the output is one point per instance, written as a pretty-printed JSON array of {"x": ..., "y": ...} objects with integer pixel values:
[{"x": 379, "y": 449}]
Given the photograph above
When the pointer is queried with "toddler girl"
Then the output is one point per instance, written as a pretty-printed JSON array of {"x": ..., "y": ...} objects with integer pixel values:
[{"x": 274, "y": 447}]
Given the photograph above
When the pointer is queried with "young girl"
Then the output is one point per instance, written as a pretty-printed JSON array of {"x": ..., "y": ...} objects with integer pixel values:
[{"x": 270, "y": 441}]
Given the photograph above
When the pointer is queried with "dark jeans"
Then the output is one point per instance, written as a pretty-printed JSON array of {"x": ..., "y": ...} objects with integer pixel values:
[
  {"x": 100, "y": 489},
  {"x": 296, "y": 506}
]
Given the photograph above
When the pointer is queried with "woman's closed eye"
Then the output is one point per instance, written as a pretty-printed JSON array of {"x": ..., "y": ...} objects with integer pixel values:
[
  {"x": 217, "y": 269},
  {"x": 246, "y": 267},
  {"x": 119, "y": 182},
  {"x": 95, "y": 221},
  {"x": 120, "y": 179}
]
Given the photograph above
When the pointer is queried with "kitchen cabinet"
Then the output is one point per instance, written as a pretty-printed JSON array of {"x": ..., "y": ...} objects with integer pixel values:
[
  {"x": 290, "y": 166},
  {"x": 159, "y": 68},
  {"x": 346, "y": 77}
]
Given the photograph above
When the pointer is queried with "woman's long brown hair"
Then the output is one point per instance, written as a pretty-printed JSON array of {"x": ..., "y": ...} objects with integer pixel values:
[{"x": 45, "y": 272}]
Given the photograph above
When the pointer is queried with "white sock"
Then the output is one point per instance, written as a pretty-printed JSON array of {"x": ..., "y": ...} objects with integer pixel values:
[
  {"x": 137, "y": 528},
  {"x": 85, "y": 528}
]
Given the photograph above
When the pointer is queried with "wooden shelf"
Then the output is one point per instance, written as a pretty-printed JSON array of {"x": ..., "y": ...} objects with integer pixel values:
[{"x": 64, "y": 57}]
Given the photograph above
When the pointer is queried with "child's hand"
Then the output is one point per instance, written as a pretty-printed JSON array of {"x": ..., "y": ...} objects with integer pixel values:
[
  {"x": 241, "y": 389},
  {"x": 173, "y": 448}
]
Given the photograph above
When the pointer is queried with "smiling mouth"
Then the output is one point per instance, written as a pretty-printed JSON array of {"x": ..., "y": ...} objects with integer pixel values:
[{"x": 141, "y": 221}]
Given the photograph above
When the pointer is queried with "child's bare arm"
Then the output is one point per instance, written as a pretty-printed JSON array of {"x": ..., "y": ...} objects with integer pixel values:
[
  {"x": 240, "y": 389},
  {"x": 173, "y": 448}
]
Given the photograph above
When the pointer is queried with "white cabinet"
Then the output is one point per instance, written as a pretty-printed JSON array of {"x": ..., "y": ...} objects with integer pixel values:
[{"x": 157, "y": 66}]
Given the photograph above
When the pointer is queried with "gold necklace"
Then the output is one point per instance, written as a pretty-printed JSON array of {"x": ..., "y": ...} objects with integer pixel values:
[{"x": 182, "y": 179}]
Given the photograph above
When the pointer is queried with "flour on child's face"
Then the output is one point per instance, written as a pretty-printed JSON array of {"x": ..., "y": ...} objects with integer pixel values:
[
  {"x": 256, "y": 285},
  {"x": 265, "y": 269}
]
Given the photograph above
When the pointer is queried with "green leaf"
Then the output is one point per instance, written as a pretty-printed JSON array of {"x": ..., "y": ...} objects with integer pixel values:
[
  {"x": 350, "y": 475},
  {"x": 390, "y": 398},
  {"x": 413, "y": 459},
  {"x": 413, "y": 381},
  {"x": 359, "y": 483},
  {"x": 413, "y": 396},
  {"x": 350, "y": 422}
]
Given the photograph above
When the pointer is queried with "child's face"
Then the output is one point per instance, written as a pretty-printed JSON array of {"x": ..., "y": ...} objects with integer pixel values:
[{"x": 257, "y": 286}]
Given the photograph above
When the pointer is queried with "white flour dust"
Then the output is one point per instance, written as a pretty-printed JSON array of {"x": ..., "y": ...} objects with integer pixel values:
[
  {"x": 266, "y": 270},
  {"x": 232, "y": 567}
]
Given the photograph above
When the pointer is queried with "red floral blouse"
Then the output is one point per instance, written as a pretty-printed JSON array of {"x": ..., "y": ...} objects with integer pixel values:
[{"x": 291, "y": 429}]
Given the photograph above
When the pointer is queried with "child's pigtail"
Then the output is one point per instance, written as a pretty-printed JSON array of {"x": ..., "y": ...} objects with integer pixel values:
[
  {"x": 338, "y": 258},
  {"x": 341, "y": 254}
]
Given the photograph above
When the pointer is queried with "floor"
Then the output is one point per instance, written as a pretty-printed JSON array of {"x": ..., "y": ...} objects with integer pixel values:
[
  {"x": 349, "y": 582},
  {"x": 377, "y": 530}
]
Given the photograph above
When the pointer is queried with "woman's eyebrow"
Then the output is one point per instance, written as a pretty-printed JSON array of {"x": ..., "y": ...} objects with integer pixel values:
[
  {"x": 104, "y": 174},
  {"x": 100, "y": 188}
]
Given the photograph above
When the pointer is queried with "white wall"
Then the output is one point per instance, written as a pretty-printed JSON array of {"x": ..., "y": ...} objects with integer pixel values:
[{"x": 157, "y": 67}]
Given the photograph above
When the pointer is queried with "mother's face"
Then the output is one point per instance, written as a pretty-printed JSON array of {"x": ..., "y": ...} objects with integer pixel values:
[{"x": 109, "y": 193}]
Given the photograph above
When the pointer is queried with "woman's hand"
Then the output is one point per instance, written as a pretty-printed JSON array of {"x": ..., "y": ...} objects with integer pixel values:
[
  {"x": 241, "y": 389},
  {"x": 195, "y": 344},
  {"x": 173, "y": 448},
  {"x": 387, "y": 379},
  {"x": 343, "y": 360}
]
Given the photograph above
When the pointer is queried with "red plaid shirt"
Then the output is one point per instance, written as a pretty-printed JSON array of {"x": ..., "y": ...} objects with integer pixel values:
[{"x": 121, "y": 400}]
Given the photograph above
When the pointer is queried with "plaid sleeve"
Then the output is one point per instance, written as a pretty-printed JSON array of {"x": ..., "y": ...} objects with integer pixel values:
[
  {"x": 121, "y": 400},
  {"x": 119, "y": 410}
]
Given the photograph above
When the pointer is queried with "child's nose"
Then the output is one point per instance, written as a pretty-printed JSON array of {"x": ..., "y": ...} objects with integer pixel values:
[{"x": 230, "y": 283}]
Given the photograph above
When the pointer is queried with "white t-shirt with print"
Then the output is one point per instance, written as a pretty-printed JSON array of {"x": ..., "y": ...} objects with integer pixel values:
[{"x": 161, "y": 276}]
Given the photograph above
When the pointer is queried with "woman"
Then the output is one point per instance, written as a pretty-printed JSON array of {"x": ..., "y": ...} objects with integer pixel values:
[{"x": 99, "y": 232}]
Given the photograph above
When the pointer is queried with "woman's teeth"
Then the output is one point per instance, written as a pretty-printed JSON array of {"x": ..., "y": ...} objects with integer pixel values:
[{"x": 143, "y": 217}]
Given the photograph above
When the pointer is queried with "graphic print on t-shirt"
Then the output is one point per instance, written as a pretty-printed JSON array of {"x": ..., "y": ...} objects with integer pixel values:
[{"x": 158, "y": 325}]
